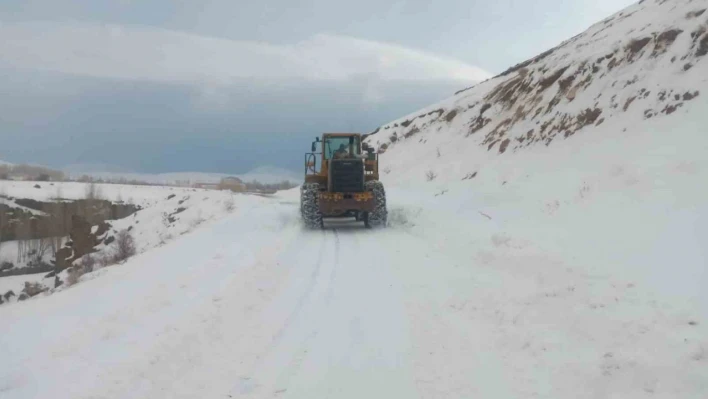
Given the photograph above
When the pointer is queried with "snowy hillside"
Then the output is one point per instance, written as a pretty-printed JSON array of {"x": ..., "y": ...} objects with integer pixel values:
[
  {"x": 197, "y": 205},
  {"x": 594, "y": 149},
  {"x": 166, "y": 213},
  {"x": 640, "y": 72}
]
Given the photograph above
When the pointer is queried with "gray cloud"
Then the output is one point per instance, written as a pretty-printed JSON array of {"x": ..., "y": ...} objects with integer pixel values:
[
  {"x": 150, "y": 126},
  {"x": 225, "y": 86},
  {"x": 147, "y": 53}
]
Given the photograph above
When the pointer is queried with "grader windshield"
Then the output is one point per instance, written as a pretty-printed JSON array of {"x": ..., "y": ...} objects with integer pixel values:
[{"x": 336, "y": 146}]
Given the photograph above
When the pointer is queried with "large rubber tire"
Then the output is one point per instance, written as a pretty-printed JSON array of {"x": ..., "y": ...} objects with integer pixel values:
[
  {"x": 309, "y": 206},
  {"x": 378, "y": 217}
]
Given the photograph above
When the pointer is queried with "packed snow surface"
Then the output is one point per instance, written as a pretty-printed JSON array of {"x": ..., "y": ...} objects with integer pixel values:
[{"x": 440, "y": 304}]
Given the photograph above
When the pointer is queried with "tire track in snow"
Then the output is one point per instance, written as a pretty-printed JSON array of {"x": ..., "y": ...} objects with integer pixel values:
[
  {"x": 335, "y": 266},
  {"x": 320, "y": 314},
  {"x": 362, "y": 341},
  {"x": 246, "y": 385},
  {"x": 303, "y": 297}
]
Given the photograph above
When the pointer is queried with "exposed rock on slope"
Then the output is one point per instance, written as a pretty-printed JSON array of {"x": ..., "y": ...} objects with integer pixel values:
[{"x": 644, "y": 62}]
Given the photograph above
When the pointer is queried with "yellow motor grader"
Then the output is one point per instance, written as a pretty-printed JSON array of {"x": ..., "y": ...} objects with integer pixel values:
[{"x": 345, "y": 182}]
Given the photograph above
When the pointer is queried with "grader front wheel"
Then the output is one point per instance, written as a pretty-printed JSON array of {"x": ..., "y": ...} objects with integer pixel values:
[
  {"x": 309, "y": 206},
  {"x": 378, "y": 217}
]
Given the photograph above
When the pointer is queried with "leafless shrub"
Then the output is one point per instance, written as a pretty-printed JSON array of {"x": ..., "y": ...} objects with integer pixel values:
[
  {"x": 430, "y": 175},
  {"x": 166, "y": 219},
  {"x": 104, "y": 260},
  {"x": 74, "y": 274},
  {"x": 41, "y": 247},
  {"x": 58, "y": 194},
  {"x": 24, "y": 249},
  {"x": 197, "y": 220},
  {"x": 437, "y": 150},
  {"x": 229, "y": 204},
  {"x": 124, "y": 246},
  {"x": 88, "y": 263}
]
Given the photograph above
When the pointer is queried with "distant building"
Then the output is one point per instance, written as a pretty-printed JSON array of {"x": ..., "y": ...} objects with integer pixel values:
[
  {"x": 207, "y": 186},
  {"x": 232, "y": 183},
  {"x": 227, "y": 183}
]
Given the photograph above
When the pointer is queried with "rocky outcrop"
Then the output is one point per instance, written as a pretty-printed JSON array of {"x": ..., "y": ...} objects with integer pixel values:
[
  {"x": 37, "y": 219},
  {"x": 616, "y": 70},
  {"x": 82, "y": 241}
]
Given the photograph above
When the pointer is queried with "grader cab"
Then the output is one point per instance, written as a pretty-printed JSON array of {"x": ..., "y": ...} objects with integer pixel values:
[{"x": 342, "y": 180}]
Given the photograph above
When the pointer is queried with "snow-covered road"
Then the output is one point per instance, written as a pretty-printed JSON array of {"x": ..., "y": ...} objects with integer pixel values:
[{"x": 253, "y": 306}]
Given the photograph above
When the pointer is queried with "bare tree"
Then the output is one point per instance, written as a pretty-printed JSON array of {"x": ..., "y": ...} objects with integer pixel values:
[
  {"x": 93, "y": 191},
  {"x": 2, "y": 228},
  {"x": 58, "y": 194},
  {"x": 32, "y": 172},
  {"x": 39, "y": 248},
  {"x": 22, "y": 235},
  {"x": 58, "y": 225},
  {"x": 5, "y": 172},
  {"x": 3, "y": 221}
]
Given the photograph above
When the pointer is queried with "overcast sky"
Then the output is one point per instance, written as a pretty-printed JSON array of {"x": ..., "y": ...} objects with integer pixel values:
[{"x": 228, "y": 85}]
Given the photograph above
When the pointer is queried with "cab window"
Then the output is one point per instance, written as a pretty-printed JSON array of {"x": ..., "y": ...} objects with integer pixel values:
[{"x": 333, "y": 145}]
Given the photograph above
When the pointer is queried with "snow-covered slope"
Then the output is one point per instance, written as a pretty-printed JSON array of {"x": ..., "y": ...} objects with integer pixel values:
[
  {"x": 642, "y": 72},
  {"x": 595, "y": 149},
  {"x": 166, "y": 213}
]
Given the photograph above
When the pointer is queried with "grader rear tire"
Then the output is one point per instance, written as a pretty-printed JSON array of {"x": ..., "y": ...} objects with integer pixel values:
[{"x": 309, "y": 206}]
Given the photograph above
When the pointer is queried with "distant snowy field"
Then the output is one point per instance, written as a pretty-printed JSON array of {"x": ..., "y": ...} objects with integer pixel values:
[
  {"x": 264, "y": 174},
  {"x": 134, "y": 194}
]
